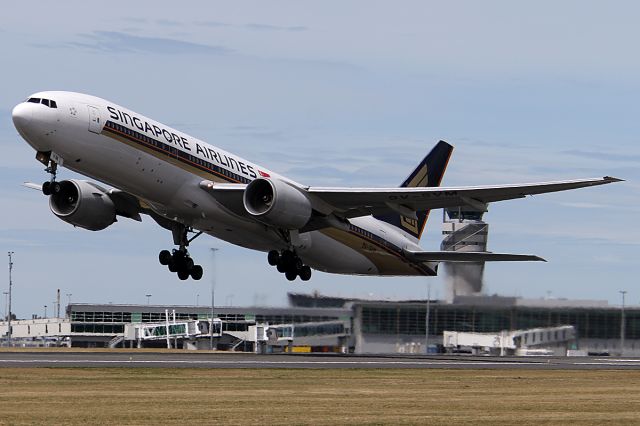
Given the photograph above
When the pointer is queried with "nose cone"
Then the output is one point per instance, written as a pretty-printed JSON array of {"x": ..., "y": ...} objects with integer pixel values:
[{"x": 22, "y": 115}]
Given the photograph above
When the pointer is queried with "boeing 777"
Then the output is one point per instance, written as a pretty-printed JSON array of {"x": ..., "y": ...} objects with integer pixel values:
[{"x": 191, "y": 187}]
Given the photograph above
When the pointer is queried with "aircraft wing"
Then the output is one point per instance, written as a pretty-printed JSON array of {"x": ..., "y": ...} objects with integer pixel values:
[
  {"x": 354, "y": 202},
  {"x": 457, "y": 256}
]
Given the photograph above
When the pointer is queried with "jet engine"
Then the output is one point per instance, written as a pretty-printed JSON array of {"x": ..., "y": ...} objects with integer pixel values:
[
  {"x": 277, "y": 203},
  {"x": 82, "y": 204}
]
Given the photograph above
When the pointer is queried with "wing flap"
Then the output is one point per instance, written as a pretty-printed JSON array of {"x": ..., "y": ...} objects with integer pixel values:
[{"x": 228, "y": 195}]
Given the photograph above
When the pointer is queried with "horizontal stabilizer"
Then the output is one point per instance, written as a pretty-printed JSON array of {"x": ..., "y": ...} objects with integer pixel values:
[{"x": 469, "y": 256}]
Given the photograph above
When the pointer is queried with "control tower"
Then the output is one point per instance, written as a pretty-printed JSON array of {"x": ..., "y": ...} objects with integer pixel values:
[{"x": 463, "y": 230}]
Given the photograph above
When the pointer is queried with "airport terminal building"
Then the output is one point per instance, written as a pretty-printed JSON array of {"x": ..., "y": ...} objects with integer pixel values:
[{"x": 320, "y": 323}]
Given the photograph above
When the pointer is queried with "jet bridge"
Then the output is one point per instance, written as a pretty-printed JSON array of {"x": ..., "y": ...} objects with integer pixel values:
[{"x": 172, "y": 330}]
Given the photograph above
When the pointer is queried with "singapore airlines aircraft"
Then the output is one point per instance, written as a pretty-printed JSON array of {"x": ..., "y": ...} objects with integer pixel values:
[{"x": 190, "y": 187}]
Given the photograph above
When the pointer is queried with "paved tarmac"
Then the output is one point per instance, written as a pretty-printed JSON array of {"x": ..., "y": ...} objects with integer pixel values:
[{"x": 238, "y": 360}]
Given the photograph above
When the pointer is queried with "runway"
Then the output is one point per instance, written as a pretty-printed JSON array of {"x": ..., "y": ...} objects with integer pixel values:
[{"x": 160, "y": 359}]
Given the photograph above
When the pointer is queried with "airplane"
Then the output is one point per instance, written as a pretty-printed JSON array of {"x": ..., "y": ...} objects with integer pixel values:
[{"x": 191, "y": 187}]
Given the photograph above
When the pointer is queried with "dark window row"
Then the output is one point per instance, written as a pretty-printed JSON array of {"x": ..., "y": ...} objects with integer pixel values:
[
  {"x": 97, "y": 328},
  {"x": 208, "y": 166},
  {"x": 291, "y": 319},
  {"x": 319, "y": 329},
  {"x": 101, "y": 316}
]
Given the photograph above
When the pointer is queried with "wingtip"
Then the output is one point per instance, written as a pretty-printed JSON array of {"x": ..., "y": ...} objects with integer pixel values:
[{"x": 611, "y": 179}]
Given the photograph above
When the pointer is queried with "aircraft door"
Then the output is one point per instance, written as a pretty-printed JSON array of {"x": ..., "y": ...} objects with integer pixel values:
[{"x": 95, "y": 122}]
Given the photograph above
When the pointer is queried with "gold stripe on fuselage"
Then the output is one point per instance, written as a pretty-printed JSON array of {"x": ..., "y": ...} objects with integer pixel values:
[
  {"x": 166, "y": 156},
  {"x": 386, "y": 261}
]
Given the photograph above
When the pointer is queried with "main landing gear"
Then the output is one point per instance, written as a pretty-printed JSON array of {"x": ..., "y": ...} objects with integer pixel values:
[
  {"x": 289, "y": 264},
  {"x": 179, "y": 260}
]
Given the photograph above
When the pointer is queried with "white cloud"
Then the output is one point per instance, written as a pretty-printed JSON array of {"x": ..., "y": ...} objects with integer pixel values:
[{"x": 525, "y": 93}]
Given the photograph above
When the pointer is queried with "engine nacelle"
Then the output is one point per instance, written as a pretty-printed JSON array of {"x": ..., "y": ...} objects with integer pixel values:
[
  {"x": 83, "y": 204},
  {"x": 277, "y": 203}
]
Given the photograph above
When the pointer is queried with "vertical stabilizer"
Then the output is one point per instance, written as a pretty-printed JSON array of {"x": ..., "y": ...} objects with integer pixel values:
[{"x": 428, "y": 173}]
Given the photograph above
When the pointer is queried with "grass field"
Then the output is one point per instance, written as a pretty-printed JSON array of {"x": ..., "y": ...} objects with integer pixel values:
[{"x": 328, "y": 396}]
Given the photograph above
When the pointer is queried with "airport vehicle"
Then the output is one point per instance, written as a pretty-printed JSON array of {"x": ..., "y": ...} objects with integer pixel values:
[{"x": 191, "y": 187}]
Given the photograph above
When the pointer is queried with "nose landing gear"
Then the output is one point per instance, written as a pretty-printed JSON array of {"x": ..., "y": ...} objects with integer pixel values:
[
  {"x": 51, "y": 186},
  {"x": 289, "y": 264},
  {"x": 179, "y": 260}
]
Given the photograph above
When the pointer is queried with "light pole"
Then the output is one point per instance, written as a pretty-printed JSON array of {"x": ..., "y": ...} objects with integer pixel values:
[
  {"x": 198, "y": 299},
  {"x": 10, "y": 285},
  {"x": 45, "y": 311},
  {"x": 148, "y": 297},
  {"x": 622, "y": 323},
  {"x": 213, "y": 289},
  {"x": 5, "y": 307},
  {"x": 426, "y": 320}
]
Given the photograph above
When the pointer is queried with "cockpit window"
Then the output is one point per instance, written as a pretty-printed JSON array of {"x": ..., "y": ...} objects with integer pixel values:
[{"x": 47, "y": 102}]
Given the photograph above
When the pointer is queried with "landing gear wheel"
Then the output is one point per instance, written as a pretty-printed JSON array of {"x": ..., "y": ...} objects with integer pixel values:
[
  {"x": 291, "y": 275},
  {"x": 46, "y": 188},
  {"x": 288, "y": 258},
  {"x": 273, "y": 257},
  {"x": 183, "y": 274},
  {"x": 188, "y": 263},
  {"x": 282, "y": 268},
  {"x": 305, "y": 273},
  {"x": 172, "y": 266},
  {"x": 55, "y": 187},
  {"x": 196, "y": 272},
  {"x": 165, "y": 257}
]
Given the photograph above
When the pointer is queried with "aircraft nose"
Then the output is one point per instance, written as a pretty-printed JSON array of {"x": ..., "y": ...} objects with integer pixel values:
[{"x": 22, "y": 114}]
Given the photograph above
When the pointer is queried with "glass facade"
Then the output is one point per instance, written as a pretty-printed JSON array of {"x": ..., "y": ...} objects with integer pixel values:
[
  {"x": 85, "y": 320},
  {"x": 594, "y": 323}
]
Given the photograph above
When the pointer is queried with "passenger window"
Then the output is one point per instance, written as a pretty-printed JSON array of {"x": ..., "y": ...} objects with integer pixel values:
[
  {"x": 53, "y": 104},
  {"x": 45, "y": 102},
  {"x": 34, "y": 100}
]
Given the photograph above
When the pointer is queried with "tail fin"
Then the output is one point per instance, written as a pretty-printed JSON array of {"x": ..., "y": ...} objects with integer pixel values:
[{"x": 428, "y": 173}]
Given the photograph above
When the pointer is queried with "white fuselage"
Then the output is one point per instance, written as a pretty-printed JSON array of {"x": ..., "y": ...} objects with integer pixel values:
[{"x": 164, "y": 167}]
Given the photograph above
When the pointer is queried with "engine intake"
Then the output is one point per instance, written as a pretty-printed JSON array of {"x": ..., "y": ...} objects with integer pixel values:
[
  {"x": 277, "y": 203},
  {"x": 83, "y": 204}
]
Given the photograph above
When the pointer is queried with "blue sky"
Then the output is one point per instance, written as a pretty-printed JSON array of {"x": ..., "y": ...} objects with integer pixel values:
[{"x": 341, "y": 93}]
